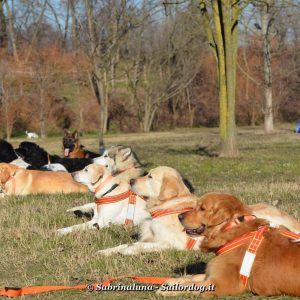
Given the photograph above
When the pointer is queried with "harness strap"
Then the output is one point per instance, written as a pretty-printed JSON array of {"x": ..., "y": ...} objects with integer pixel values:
[
  {"x": 103, "y": 184},
  {"x": 190, "y": 243},
  {"x": 238, "y": 221},
  {"x": 256, "y": 238},
  {"x": 32, "y": 290},
  {"x": 113, "y": 199},
  {"x": 250, "y": 254},
  {"x": 169, "y": 211},
  {"x": 165, "y": 212}
]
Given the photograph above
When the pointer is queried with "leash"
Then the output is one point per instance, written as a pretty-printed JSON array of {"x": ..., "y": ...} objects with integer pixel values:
[
  {"x": 165, "y": 212},
  {"x": 33, "y": 290},
  {"x": 256, "y": 238},
  {"x": 131, "y": 196}
]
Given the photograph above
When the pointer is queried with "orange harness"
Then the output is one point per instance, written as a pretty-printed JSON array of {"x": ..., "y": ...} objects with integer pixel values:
[
  {"x": 165, "y": 212},
  {"x": 32, "y": 290},
  {"x": 131, "y": 196},
  {"x": 256, "y": 238}
]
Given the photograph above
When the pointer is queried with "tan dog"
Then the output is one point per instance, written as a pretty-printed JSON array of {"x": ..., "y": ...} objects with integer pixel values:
[
  {"x": 17, "y": 181},
  {"x": 272, "y": 270},
  {"x": 164, "y": 189},
  {"x": 100, "y": 181}
]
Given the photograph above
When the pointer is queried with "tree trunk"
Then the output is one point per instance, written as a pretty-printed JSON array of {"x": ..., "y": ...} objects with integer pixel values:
[
  {"x": 229, "y": 15},
  {"x": 42, "y": 113},
  {"x": 268, "y": 105},
  {"x": 11, "y": 31},
  {"x": 3, "y": 34}
]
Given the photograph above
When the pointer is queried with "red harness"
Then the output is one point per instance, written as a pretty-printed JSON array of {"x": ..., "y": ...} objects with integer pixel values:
[
  {"x": 165, "y": 212},
  {"x": 256, "y": 238},
  {"x": 131, "y": 196}
]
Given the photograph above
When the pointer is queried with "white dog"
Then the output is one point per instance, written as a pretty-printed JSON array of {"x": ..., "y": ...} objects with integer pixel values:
[
  {"x": 122, "y": 162},
  {"x": 32, "y": 135},
  {"x": 115, "y": 203}
]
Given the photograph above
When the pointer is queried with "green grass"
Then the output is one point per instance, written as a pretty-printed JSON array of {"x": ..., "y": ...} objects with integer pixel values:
[{"x": 31, "y": 253}]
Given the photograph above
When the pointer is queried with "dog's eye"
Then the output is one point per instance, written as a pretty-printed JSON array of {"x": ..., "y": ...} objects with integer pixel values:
[
  {"x": 149, "y": 176},
  {"x": 105, "y": 155},
  {"x": 202, "y": 208},
  {"x": 85, "y": 170}
]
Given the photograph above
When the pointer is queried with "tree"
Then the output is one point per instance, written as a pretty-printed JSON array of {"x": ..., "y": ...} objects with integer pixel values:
[
  {"x": 266, "y": 23},
  {"x": 222, "y": 38}
]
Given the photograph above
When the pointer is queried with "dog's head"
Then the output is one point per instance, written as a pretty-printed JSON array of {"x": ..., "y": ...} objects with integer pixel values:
[
  {"x": 118, "y": 158},
  {"x": 161, "y": 184},
  {"x": 7, "y": 171},
  {"x": 93, "y": 176},
  {"x": 33, "y": 154},
  {"x": 7, "y": 153},
  {"x": 70, "y": 142},
  {"x": 213, "y": 211}
]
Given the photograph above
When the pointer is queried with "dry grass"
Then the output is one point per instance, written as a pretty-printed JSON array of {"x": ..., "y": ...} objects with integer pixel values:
[{"x": 31, "y": 253}]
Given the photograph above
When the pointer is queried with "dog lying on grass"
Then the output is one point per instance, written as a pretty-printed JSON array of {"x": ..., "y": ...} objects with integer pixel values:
[
  {"x": 164, "y": 190},
  {"x": 116, "y": 203},
  {"x": 18, "y": 181},
  {"x": 37, "y": 157},
  {"x": 269, "y": 267}
]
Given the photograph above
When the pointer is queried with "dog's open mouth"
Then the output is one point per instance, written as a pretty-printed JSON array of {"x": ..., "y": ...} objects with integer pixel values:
[{"x": 195, "y": 231}]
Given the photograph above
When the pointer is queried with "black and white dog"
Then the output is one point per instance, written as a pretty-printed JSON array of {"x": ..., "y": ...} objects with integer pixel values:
[{"x": 37, "y": 157}]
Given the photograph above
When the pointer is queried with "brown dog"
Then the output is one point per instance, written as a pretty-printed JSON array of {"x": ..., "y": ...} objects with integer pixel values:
[
  {"x": 276, "y": 266},
  {"x": 17, "y": 181}
]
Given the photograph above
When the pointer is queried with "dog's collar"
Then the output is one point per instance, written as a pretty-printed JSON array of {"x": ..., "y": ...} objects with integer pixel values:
[
  {"x": 165, "y": 212},
  {"x": 110, "y": 190},
  {"x": 169, "y": 211},
  {"x": 102, "y": 184},
  {"x": 127, "y": 169},
  {"x": 238, "y": 221}
]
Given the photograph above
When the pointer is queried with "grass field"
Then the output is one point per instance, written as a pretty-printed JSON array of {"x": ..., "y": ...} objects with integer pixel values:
[{"x": 31, "y": 254}]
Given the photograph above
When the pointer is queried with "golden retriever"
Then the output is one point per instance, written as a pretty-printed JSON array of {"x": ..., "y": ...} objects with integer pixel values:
[
  {"x": 17, "y": 181},
  {"x": 164, "y": 189},
  {"x": 100, "y": 181},
  {"x": 276, "y": 267}
]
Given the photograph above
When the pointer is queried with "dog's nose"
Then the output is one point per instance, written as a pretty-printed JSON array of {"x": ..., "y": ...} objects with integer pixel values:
[
  {"x": 132, "y": 182},
  {"x": 96, "y": 225},
  {"x": 180, "y": 217}
]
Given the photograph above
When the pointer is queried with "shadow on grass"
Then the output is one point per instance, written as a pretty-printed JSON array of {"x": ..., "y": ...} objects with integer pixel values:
[
  {"x": 192, "y": 269},
  {"x": 200, "y": 150}
]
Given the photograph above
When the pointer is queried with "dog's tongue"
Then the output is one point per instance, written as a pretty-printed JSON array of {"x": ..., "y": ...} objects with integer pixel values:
[{"x": 67, "y": 151}]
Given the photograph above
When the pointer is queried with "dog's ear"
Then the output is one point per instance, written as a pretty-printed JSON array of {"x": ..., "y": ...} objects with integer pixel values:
[
  {"x": 169, "y": 188},
  {"x": 5, "y": 173},
  {"x": 227, "y": 208},
  {"x": 75, "y": 134},
  {"x": 67, "y": 132},
  {"x": 96, "y": 173},
  {"x": 126, "y": 152}
]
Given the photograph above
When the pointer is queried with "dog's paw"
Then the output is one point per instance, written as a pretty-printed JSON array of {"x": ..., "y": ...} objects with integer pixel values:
[
  {"x": 111, "y": 251},
  {"x": 63, "y": 231}
]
